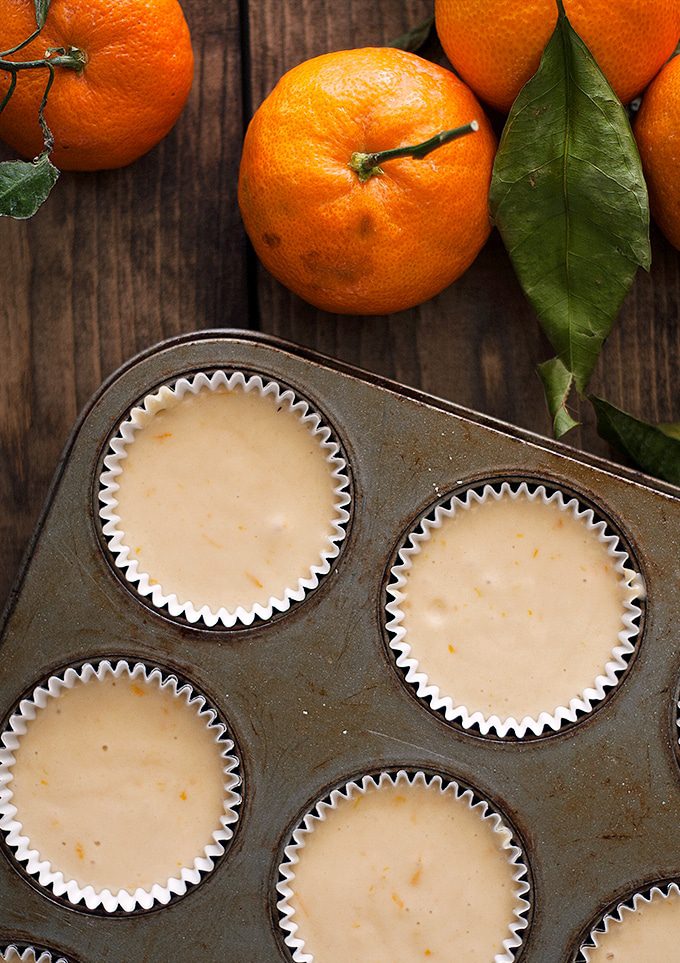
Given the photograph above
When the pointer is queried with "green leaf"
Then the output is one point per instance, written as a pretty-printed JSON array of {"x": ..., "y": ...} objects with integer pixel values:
[
  {"x": 570, "y": 201},
  {"x": 654, "y": 450},
  {"x": 415, "y": 38},
  {"x": 557, "y": 384},
  {"x": 24, "y": 185},
  {"x": 41, "y": 8},
  {"x": 670, "y": 428}
]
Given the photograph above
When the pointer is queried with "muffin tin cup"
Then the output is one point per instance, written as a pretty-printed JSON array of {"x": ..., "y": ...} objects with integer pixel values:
[
  {"x": 621, "y": 911},
  {"x": 41, "y": 869},
  {"x": 114, "y": 464},
  {"x": 29, "y": 954},
  {"x": 549, "y": 720},
  {"x": 359, "y": 787}
]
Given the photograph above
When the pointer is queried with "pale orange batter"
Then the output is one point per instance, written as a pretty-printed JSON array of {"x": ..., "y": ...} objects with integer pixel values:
[
  {"x": 513, "y": 607},
  {"x": 119, "y": 784},
  {"x": 226, "y": 499},
  {"x": 400, "y": 874},
  {"x": 649, "y": 934}
]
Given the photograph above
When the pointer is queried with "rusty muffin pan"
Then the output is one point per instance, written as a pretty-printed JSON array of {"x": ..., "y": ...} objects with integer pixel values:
[{"x": 313, "y": 698}]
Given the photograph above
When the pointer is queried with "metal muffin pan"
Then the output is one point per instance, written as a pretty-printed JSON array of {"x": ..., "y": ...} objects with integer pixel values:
[{"x": 313, "y": 697}]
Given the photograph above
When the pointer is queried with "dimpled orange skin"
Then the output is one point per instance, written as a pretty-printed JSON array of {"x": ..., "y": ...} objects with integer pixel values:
[
  {"x": 496, "y": 45},
  {"x": 394, "y": 240},
  {"x": 657, "y": 131},
  {"x": 135, "y": 83}
]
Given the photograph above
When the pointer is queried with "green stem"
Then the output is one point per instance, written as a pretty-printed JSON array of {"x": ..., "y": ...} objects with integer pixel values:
[
  {"x": 366, "y": 165},
  {"x": 48, "y": 136},
  {"x": 74, "y": 58},
  {"x": 10, "y": 91},
  {"x": 20, "y": 46}
]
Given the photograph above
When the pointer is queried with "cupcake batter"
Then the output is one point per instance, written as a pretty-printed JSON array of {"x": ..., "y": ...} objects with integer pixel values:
[
  {"x": 400, "y": 874},
  {"x": 649, "y": 934},
  {"x": 513, "y": 607},
  {"x": 226, "y": 500},
  {"x": 119, "y": 784}
]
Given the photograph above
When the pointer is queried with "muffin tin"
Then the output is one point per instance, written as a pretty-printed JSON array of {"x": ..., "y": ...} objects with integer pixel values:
[{"x": 313, "y": 698}]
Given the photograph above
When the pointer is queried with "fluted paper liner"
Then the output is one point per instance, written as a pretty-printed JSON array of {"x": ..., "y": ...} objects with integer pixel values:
[
  {"x": 286, "y": 885},
  {"x": 618, "y": 915},
  {"x": 144, "y": 582},
  {"x": 42, "y": 870},
  {"x": 29, "y": 954},
  {"x": 552, "y": 718}
]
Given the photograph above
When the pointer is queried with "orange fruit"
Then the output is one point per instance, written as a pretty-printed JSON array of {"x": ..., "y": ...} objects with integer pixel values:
[
  {"x": 385, "y": 243},
  {"x": 130, "y": 93},
  {"x": 496, "y": 45},
  {"x": 657, "y": 131}
]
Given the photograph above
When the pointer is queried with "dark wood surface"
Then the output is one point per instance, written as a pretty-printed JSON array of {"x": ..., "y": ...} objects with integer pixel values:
[{"x": 119, "y": 260}]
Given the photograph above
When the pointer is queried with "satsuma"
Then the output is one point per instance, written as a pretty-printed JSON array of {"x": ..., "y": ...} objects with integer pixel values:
[
  {"x": 657, "y": 130},
  {"x": 393, "y": 239},
  {"x": 496, "y": 45},
  {"x": 136, "y": 79}
]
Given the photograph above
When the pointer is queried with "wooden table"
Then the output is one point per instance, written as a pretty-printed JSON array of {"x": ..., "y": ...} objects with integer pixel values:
[{"x": 119, "y": 260}]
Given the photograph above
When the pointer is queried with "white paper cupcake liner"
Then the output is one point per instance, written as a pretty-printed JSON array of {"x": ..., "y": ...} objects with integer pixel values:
[
  {"x": 618, "y": 915},
  {"x": 114, "y": 465},
  {"x": 549, "y": 719},
  {"x": 12, "y": 954},
  {"x": 359, "y": 787},
  {"x": 41, "y": 869}
]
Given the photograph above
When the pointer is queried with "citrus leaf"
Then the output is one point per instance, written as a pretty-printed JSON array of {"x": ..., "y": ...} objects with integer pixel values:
[
  {"x": 24, "y": 185},
  {"x": 41, "y": 8},
  {"x": 415, "y": 38},
  {"x": 570, "y": 201},
  {"x": 670, "y": 428},
  {"x": 651, "y": 448},
  {"x": 557, "y": 384}
]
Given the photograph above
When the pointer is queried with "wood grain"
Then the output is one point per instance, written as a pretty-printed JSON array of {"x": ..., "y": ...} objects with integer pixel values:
[
  {"x": 118, "y": 260},
  {"x": 112, "y": 263}
]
